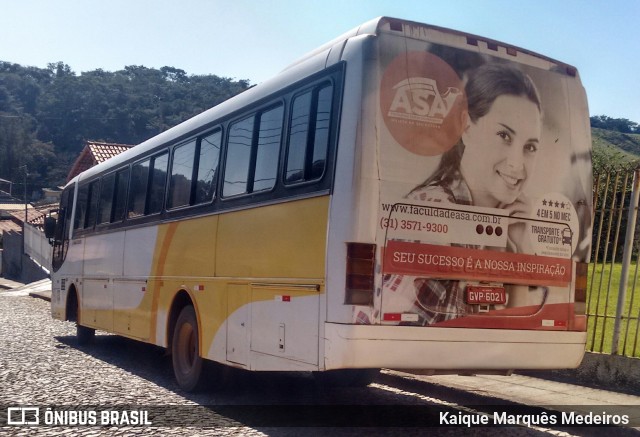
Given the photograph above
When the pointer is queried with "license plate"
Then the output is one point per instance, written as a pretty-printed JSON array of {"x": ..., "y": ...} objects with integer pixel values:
[{"x": 485, "y": 295}]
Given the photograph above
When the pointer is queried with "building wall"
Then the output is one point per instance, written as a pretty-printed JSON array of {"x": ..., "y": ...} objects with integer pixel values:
[{"x": 16, "y": 265}]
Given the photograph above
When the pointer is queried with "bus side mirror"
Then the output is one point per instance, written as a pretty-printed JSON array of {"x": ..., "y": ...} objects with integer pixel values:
[{"x": 49, "y": 227}]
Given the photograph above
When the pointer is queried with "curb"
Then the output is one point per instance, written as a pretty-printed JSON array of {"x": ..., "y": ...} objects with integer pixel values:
[
  {"x": 598, "y": 370},
  {"x": 44, "y": 295}
]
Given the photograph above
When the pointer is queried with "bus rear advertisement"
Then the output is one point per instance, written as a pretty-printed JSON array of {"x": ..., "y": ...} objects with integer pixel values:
[{"x": 406, "y": 196}]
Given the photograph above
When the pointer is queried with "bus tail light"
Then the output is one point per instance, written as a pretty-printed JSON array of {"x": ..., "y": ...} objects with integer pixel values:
[
  {"x": 581, "y": 284},
  {"x": 361, "y": 266},
  {"x": 580, "y": 298}
]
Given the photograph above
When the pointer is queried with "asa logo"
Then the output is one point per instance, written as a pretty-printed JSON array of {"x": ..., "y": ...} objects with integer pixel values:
[
  {"x": 423, "y": 103},
  {"x": 418, "y": 99}
]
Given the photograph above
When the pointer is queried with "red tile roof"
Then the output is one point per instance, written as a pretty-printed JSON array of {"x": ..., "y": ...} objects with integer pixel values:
[
  {"x": 94, "y": 153},
  {"x": 9, "y": 226},
  {"x": 32, "y": 214},
  {"x": 103, "y": 151}
]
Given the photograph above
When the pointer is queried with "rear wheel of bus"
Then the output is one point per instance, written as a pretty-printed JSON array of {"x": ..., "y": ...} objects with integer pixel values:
[
  {"x": 187, "y": 363},
  {"x": 346, "y": 377}
]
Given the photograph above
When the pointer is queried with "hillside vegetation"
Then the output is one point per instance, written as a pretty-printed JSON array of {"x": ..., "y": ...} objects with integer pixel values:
[
  {"x": 47, "y": 114},
  {"x": 613, "y": 149}
]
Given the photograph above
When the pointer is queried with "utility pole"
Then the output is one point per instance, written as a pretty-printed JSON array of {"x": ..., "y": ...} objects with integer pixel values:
[{"x": 24, "y": 223}]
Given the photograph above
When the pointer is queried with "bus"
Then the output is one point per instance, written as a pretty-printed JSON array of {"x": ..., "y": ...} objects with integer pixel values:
[{"x": 405, "y": 196}]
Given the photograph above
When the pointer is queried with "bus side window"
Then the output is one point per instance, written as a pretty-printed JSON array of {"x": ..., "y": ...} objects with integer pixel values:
[
  {"x": 298, "y": 135},
  {"x": 253, "y": 151},
  {"x": 322, "y": 125},
  {"x": 236, "y": 169},
  {"x": 94, "y": 195},
  {"x": 208, "y": 167},
  {"x": 106, "y": 198},
  {"x": 120, "y": 200},
  {"x": 138, "y": 191},
  {"x": 81, "y": 207},
  {"x": 309, "y": 135},
  {"x": 181, "y": 175},
  {"x": 157, "y": 183},
  {"x": 268, "y": 149}
]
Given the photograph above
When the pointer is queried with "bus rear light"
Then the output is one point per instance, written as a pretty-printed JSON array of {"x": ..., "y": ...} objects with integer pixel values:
[
  {"x": 581, "y": 282},
  {"x": 579, "y": 322},
  {"x": 361, "y": 266}
]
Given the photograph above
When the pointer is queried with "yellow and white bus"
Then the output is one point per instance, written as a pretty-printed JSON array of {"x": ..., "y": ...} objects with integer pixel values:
[{"x": 405, "y": 196}]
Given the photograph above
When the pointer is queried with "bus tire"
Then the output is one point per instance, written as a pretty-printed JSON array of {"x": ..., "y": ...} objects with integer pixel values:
[
  {"x": 346, "y": 377},
  {"x": 84, "y": 335},
  {"x": 187, "y": 363}
]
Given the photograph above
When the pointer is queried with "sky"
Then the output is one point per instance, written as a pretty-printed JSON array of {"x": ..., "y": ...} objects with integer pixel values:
[{"x": 255, "y": 39}]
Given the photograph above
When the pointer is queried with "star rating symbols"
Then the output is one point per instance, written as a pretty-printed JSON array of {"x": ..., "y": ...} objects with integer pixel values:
[{"x": 556, "y": 204}]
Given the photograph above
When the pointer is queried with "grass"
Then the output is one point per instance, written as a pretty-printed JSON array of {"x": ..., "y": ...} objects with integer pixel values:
[{"x": 602, "y": 301}]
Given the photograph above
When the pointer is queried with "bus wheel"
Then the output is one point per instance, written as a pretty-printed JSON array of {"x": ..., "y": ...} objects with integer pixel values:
[
  {"x": 187, "y": 363},
  {"x": 85, "y": 335},
  {"x": 346, "y": 377}
]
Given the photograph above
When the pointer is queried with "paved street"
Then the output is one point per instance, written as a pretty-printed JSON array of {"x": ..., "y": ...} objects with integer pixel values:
[{"x": 40, "y": 365}]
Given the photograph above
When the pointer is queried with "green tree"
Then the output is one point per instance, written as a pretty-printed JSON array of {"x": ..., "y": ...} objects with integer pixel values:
[
  {"x": 46, "y": 115},
  {"x": 617, "y": 124},
  {"x": 19, "y": 148}
]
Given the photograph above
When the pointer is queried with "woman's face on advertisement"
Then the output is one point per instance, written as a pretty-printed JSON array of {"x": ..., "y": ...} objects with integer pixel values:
[{"x": 500, "y": 150}]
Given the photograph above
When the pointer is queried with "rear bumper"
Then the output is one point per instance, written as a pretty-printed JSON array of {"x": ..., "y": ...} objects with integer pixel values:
[{"x": 450, "y": 349}]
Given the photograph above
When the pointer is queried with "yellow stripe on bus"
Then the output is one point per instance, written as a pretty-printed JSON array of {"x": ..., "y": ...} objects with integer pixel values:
[{"x": 264, "y": 245}]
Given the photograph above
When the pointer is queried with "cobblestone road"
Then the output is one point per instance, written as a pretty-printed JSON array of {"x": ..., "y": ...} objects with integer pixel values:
[{"x": 41, "y": 365}]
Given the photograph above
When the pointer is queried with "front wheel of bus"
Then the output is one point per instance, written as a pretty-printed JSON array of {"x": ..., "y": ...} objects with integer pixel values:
[
  {"x": 85, "y": 335},
  {"x": 187, "y": 363}
]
